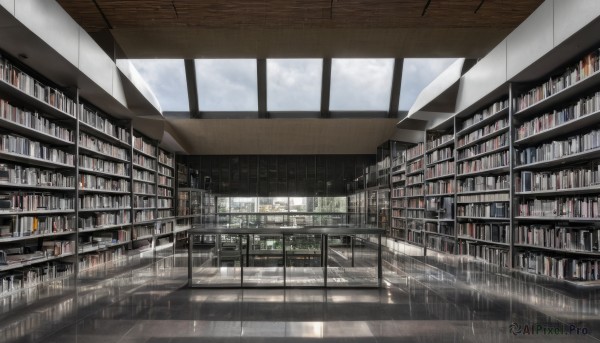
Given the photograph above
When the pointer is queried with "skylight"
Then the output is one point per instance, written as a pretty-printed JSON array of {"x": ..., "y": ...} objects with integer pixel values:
[
  {"x": 417, "y": 74},
  {"x": 166, "y": 79},
  {"x": 361, "y": 84},
  {"x": 227, "y": 85},
  {"x": 294, "y": 84}
]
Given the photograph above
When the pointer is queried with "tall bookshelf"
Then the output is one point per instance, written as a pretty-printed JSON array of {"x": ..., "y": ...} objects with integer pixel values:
[
  {"x": 165, "y": 197},
  {"x": 415, "y": 193},
  {"x": 104, "y": 188},
  {"x": 397, "y": 193},
  {"x": 557, "y": 171},
  {"x": 483, "y": 164},
  {"x": 38, "y": 147},
  {"x": 439, "y": 190},
  {"x": 144, "y": 191}
]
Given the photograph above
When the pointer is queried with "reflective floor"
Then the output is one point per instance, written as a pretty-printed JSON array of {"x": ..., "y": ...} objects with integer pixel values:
[{"x": 424, "y": 300}]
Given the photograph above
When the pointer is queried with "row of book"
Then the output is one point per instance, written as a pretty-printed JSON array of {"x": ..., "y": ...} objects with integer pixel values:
[
  {"x": 144, "y": 215},
  {"x": 490, "y": 253},
  {"x": 550, "y": 120},
  {"x": 30, "y": 202},
  {"x": 95, "y": 144},
  {"x": 141, "y": 144},
  {"x": 495, "y": 143},
  {"x": 164, "y": 227},
  {"x": 144, "y": 175},
  {"x": 20, "y": 145},
  {"x": 483, "y": 197},
  {"x": 30, "y": 86},
  {"x": 99, "y": 165},
  {"x": 484, "y": 210},
  {"x": 492, "y": 161},
  {"x": 559, "y": 267},
  {"x": 482, "y": 132},
  {"x": 34, "y": 121},
  {"x": 143, "y": 231},
  {"x": 140, "y": 201},
  {"x": 165, "y": 181},
  {"x": 89, "y": 261},
  {"x": 101, "y": 219},
  {"x": 415, "y": 237},
  {"x": 416, "y": 190},
  {"x": 58, "y": 247},
  {"x": 440, "y": 169},
  {"x": 164, "y": 192},
  {"x": 415, "y": 166},
  {"x": 440, "y": 187},
  {"x": 497, "y": 233},
  {"x": 484, "y": 183},
  {"x": 559, "y": 148},
  {"x": 107, "y": 238},
  {"x": 564, "y": 207},
  {"x": 444, "y": 228},
  {"x": 398, "y": 223},
  {"x": 581, "y": 177},
  {"x": 398, "y": 203},
  {"x": 416, "y": 203},
  {"x": 398, "y": 178},
  {"x": 101, "y": 123},
  {"x": 415, "y": 214},
  {"x": 397, "y": 192},
  {"x": 25, "y": 226},
  {"x": 570, "y": 238},
  {"x": 16, "y": 281},
  {"x": 587, "y": 66},
  {"x": 166, "y": 158},
  {"x": 165, "y": 171},
  {"x": 439, "y": 155},
  {"x": 415, "y": 224},
  {"x": 441, "y": 244},
  {"x": 484, "y": 114},
  {"x": 415, "y": 151},
  {"x": 442, "y": 206},
  {"x": 398, "y": 213},
  {"x": 415, "y": 179},
  {"x": 104, "y": 201},
  {"x": 99, "y": 183},
  {"x": 16, "y": 174},
  {"x": 143, "y": 188},
  {"x": 439, "y": 140},
  {"x": 144, "y": 161}
]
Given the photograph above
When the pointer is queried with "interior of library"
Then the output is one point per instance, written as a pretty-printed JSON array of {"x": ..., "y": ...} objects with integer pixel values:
[{"x": 251, "y": 171}]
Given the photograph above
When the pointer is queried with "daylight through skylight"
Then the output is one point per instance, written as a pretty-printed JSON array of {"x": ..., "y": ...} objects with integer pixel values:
[
  {"x": 417, "y": 74},
  {"x": 166, "y": 79},
  {"x": 294, "y": 84}
]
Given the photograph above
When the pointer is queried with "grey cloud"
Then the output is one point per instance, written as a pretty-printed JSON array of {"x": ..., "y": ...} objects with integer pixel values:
[
  {"x": 294, "y": 85},
  {"x": 167, "y": 81},
  {"x": 417, "y": 74},
  {"x": 227, "y": 85}
]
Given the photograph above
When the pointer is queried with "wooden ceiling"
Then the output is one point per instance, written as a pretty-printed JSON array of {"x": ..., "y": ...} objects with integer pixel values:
[{"x": 97, "y": 15}]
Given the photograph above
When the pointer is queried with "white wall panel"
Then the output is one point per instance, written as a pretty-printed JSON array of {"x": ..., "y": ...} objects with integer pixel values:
[
  {"x": 572, "y": 15},
  {"x": 9, "y": 5},
  {"x": 95, "y": 63},
  {"x": 531, "y": 40},
  {"x": 52, "y": 24}
]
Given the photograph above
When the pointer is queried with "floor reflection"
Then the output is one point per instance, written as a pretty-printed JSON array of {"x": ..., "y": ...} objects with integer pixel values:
[{"x": 425, "y": 299}]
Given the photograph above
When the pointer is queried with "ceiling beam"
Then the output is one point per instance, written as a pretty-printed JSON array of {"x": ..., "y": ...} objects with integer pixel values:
[
  {"x": 396, "y": 85},
  {"x": 326, "y": 88},
  {"x": 192, "y": 88},
  {"x": 261, "y": 79}
]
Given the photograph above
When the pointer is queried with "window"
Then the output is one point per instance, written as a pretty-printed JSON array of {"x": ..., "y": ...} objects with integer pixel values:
[
  {"x": 166, "y": 79},
  {"x": 227, "y": 85},
  {"x": 294, "y": 84},
  {"x": 416, "y": 75}
]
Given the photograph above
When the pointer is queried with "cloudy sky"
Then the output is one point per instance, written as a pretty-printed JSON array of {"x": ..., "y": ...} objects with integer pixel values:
[{"x": 292, "y": 84}]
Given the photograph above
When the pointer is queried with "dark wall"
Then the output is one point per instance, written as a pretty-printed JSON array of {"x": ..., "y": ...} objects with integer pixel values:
[{"x": 272, "y": 175}]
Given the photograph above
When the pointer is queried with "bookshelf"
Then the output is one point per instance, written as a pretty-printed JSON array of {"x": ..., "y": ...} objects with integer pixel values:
[
  {"x": 415, "y": 194},
  {"x": 483, "y": 164},
  {"x": 144, "y": 191},
  {"x": 439, "y": 190},
  {"x": 557, "y": 172},
  {"x": 38, "y": 230},
  {"x": 104, "y": 198},
  {"x": 398, "y": 194}
]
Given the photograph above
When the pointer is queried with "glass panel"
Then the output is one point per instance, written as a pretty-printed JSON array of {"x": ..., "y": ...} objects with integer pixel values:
[
  {"x": 361, "y": 84},
  {"x": 351, "y": 264},
  {"x": 330, "y": 204},
  {"x": 216, "y": 261},
  {"x": 294, "y": 84},
  {"x": 227, "y": 85},
  {"x": 417, "y": 73},
  {"x": 166, "y": 79},
  {"x": 269, "y": 204},
  {"x": 298, "y": 204},
  {"x": 223, "y": 205},
  {"x": 264, "y": 261},
  {"x": 304, "y": 261},
  {"x": 243, "y": 205}
]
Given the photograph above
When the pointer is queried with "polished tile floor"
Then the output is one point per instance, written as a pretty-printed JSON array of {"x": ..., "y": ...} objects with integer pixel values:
[{"x": 424, "y": 300}]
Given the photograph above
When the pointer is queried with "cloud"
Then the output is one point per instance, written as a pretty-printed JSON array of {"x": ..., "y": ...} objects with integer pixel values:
[
  {"x": 227, "y": 85},
  {"x": 417, "y": 74},
  {"x": 167, "y": 81},
  {"x": 361, "y": 84},
  {"x": 294, "y": 84}
]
